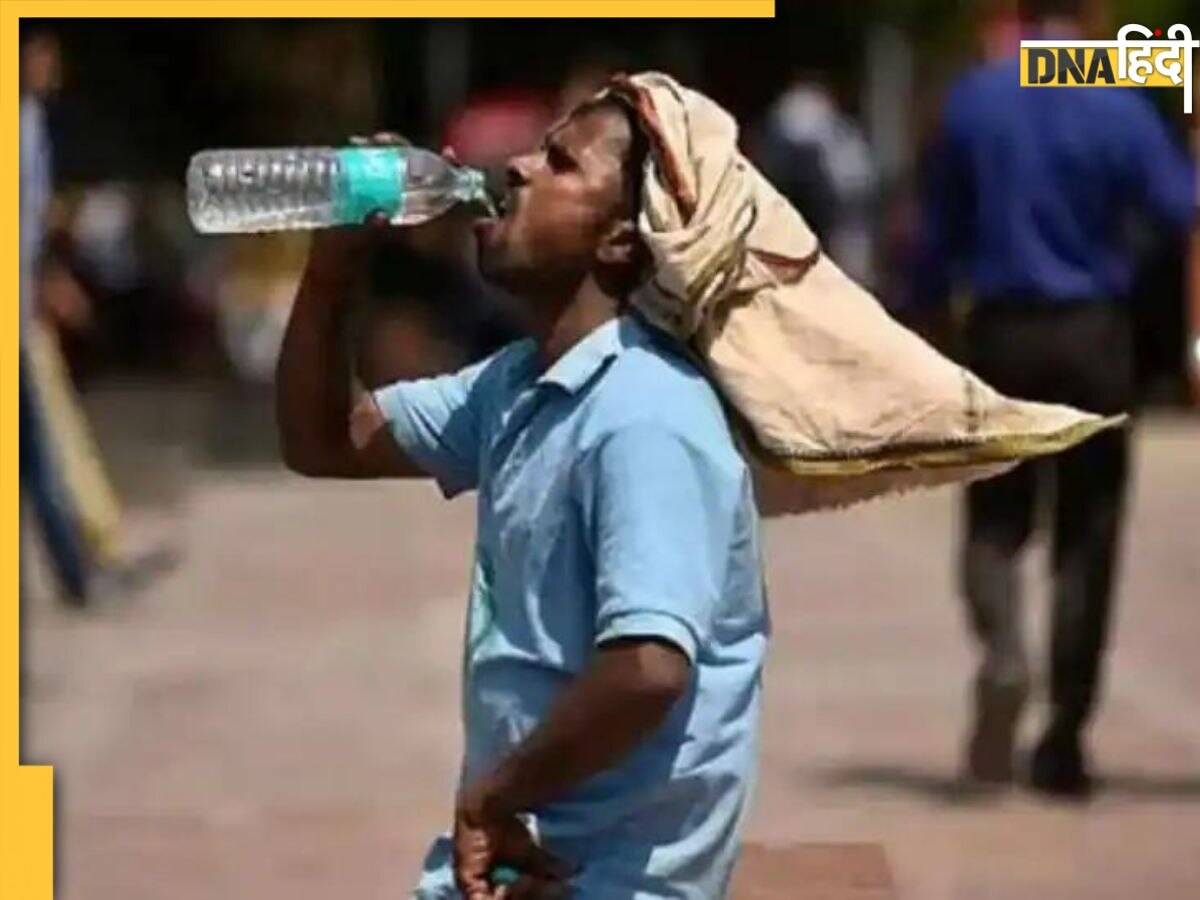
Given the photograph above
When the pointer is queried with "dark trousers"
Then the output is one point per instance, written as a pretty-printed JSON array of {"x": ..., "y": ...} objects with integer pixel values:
[
  {"x": 42, "y": 486},
  {"x": 1081, "y": 355}
]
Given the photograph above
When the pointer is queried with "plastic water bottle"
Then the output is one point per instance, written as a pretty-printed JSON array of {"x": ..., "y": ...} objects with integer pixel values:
[{"x": 238, "y": 191}]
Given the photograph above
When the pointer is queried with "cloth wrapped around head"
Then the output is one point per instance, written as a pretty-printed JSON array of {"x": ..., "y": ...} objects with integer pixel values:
[{"x": 834, "y": 400}]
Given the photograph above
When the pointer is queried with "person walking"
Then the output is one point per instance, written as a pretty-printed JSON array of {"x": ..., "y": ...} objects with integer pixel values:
[
  {"x": 1024, "y": 204},
  {"x": 41, "y": 475}
]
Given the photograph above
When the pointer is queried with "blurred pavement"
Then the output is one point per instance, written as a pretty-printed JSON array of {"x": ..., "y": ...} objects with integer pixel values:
[{"x": 278, "y": 717}]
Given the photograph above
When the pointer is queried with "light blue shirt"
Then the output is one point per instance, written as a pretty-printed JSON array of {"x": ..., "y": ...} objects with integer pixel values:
[{"x": 612, "y": 503}]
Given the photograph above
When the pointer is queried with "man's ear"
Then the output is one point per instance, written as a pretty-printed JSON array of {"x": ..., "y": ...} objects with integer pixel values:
[{"x": 621, "y": 245}]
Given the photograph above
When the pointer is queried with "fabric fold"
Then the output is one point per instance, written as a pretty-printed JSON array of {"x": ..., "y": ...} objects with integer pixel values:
[{"x": 835, "y": 402}]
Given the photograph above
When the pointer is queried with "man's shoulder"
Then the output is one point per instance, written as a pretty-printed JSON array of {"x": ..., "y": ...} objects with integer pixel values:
[
  {"x": 501, "y": 367},
  {"x": 656, "y": 375},
  {"x": 514, "y": 353},
  {"x": 654, "y": 384}
]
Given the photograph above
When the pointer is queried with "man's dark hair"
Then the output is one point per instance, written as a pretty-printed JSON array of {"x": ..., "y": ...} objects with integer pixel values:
[
  {"x": 633, "y": 169},
  {"x": 634, "y": 164},
  {"x": 1037, "y": 10}
]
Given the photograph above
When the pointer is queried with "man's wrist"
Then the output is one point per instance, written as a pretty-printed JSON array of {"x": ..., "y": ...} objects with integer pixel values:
[{"x": 494, "y": 798}]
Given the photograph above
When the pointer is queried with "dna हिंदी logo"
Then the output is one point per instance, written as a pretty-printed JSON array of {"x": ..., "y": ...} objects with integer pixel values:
[{"x": 1139, "y": 57}]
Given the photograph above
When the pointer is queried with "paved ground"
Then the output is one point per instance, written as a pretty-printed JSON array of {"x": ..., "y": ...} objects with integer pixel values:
[{"x": 277, "y": 719}]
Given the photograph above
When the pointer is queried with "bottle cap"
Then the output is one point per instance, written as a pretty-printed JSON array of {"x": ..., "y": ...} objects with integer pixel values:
[{"x": 473, "y": 186}]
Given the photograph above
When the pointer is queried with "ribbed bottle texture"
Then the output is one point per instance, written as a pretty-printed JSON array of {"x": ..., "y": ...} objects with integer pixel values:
[{"x": 262, "y": 190}]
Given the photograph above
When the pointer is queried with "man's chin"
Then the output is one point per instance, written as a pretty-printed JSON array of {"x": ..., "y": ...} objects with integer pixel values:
[{"x": 496, "y": 270}]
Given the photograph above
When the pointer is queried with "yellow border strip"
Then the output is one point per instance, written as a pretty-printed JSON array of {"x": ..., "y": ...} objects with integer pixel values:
[
  {"x": 27, "y": 792},
  {"x": 417, "y": 9}
]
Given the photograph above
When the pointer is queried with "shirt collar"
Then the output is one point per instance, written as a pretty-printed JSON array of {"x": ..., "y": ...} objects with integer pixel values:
[{"x": 577, "y": 366}]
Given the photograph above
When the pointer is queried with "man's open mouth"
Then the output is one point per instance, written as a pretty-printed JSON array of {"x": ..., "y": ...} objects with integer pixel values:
[{"x": 505, "y": 203}]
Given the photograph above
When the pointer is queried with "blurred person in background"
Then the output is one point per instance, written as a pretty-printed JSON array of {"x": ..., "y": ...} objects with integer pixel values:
[
  {"x": 617, "y": 624},
  {"x": 817, "y": 156},
  {"x": 254, "y": 293},
  {"x": 123, "y": 257},
  {"x": 61, "y": 465},
  {"x": 494, "y": 125},
  {"x": 1026, "y": 197},
  {"x": 42, "y": 293}
]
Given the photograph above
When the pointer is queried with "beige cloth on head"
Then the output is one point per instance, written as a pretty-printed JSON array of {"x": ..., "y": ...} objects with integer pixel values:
[{"x": 836, "y": 401}]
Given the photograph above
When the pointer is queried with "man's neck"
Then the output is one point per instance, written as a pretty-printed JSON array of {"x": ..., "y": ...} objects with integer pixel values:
[{"x": 570, "y": 323}]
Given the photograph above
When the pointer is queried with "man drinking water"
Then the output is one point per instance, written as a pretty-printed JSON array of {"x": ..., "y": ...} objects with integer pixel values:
[{"x": 617, "y": 623}]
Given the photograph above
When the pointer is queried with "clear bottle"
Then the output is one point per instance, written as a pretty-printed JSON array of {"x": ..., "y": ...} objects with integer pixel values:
[{"x": 239, "y": 191}]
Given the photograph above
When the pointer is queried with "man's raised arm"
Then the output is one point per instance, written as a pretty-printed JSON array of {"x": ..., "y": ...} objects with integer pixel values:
[{"x": 312, "y": 379}]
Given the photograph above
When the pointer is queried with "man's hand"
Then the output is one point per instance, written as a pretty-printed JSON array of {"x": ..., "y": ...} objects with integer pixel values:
[
  {"x": 485, "y": 839},
  {"x": 623, "y": 696},
  {"x": 337, "y": 254}
]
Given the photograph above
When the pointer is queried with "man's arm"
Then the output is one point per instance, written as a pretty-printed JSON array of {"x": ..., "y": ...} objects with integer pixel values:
[
  {"x": 614, "y": 706},
  {"x": 623, "y": 696},
  {"x": 662, "y": 511},
  {"x": 312, "y": 381}
]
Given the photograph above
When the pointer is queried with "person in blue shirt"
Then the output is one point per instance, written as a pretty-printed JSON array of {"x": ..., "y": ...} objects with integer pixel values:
[
  {"x": 1026, "y": 203},
  {"x": 617, "y": 622}
]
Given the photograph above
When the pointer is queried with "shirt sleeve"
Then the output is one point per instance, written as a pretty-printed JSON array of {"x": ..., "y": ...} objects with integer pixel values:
[
  {"x": 661, "y": 516},
  {"x": 1158, "y": 175},
  {"x": 437, "y": 422}
]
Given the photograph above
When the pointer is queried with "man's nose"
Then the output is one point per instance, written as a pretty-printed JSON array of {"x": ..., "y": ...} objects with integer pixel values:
[{"x": 516, "y": 173}]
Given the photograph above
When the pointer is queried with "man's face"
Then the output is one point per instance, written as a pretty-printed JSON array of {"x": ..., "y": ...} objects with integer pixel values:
[{"x": 562, "y": 200}]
